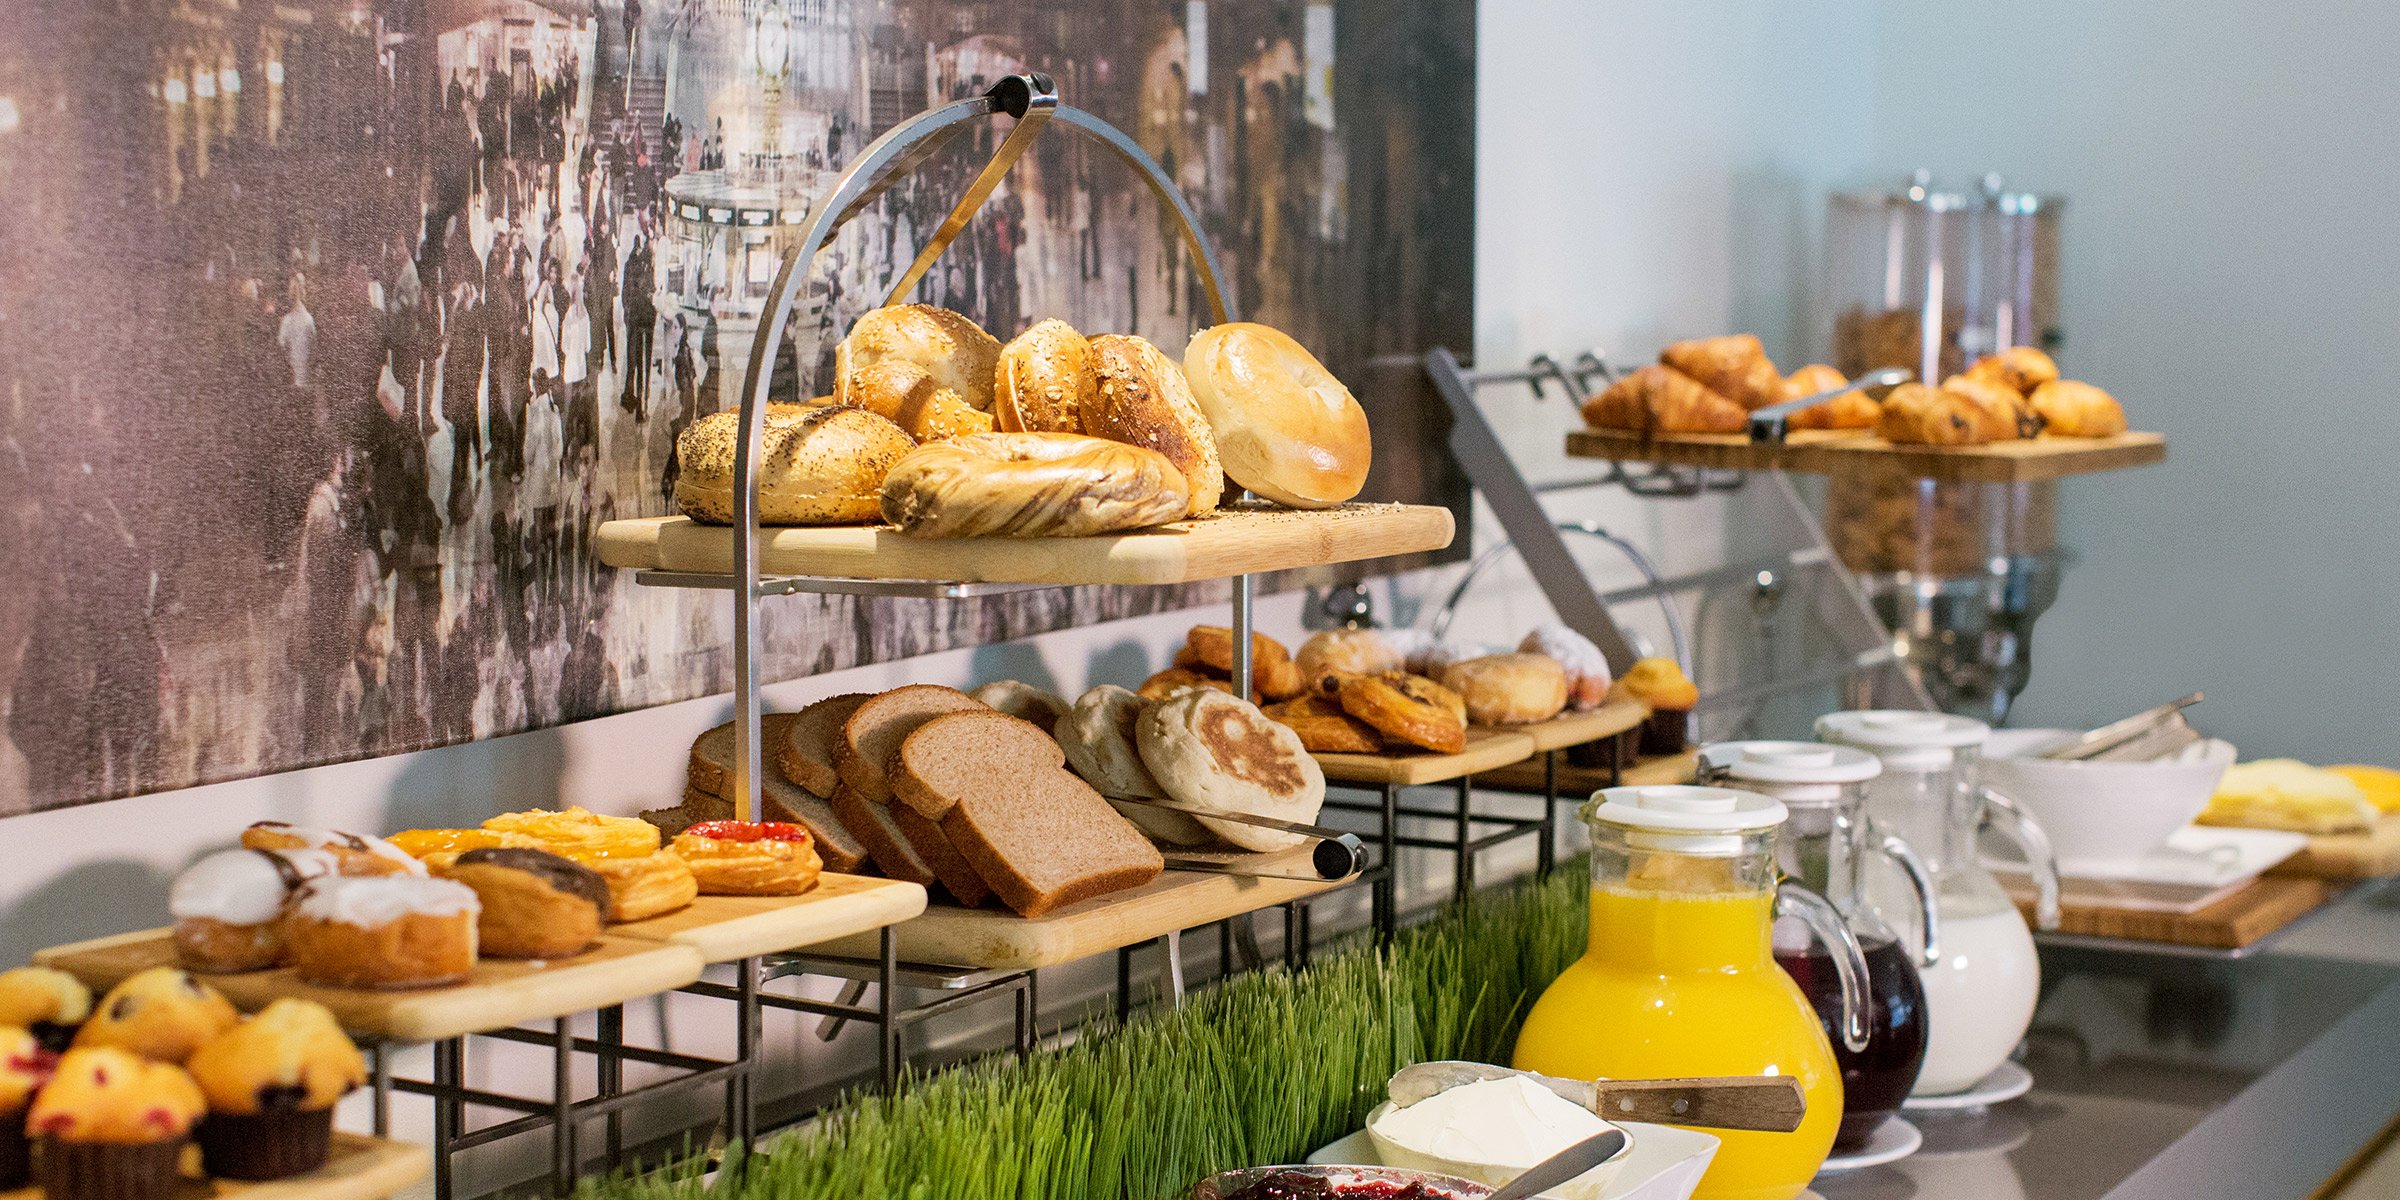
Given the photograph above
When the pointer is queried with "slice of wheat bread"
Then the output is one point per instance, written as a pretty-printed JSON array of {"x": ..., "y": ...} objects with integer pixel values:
[
  {"x": 873, "y": 732},
  {"x": 927, "y": 771},
  {"x": 872, "y": 825},
  {"x": 1040, "y": 836},
  {"x": 958, "y": 876},
  {"x": 804, "y": 751},
  {"x": 842, "y": 851},
  {"x": 711, "y": 763}
]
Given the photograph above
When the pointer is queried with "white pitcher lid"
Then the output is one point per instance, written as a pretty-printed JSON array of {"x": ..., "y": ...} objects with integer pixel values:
[
  {"x": 1901, "y": 729},
  {"x": 1684, "y": 808},
  {"x": 1791, "y": 762}
]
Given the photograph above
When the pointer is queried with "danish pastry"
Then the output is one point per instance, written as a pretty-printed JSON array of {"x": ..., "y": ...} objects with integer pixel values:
[
  {"x": 1509, "y": 689},
  {"x": 641, "y": 886},
  {"x": 750, "y": 858},
  {"x": 535, "y": 903},
  {"x": 579, "y": 833},
  {"x": 1407, "y": 708},
  {"x": 1324, "y": 728},
  {"x": 438, "y": 848},
  {"x": 357, "y": 854}
]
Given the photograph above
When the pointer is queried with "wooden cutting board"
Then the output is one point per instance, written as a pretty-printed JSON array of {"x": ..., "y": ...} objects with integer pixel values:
[
  {"x": 2348, "y": 856},
  {"x": 994, "y": 938},
  {"x": 1831, "y": 452},
  {"x": 1583, "y": 781},
  {"x": 1486, "y": 748},
  {"x": 2238, "y": 920},
  {"x": 731, "y": 928},
  {"x": 1575, "y": 729},
  {"x": 503, "y": 992},
  {"x": 1216, "y": 546},
  {"x": 359, "y": 1168}
]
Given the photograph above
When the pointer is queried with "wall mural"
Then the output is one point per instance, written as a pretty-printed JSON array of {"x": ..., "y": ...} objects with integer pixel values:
[{"x": 330, "y": 328}]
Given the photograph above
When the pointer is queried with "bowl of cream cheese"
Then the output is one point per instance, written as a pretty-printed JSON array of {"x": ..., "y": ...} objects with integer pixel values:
[{"x": 1492, "y": 1131}]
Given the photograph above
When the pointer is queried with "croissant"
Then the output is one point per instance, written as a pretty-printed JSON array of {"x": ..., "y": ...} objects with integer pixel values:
[
  {"x": 1663, "y": 400},
  {"x": 1853, "y": 409},
  {"x": 2075, "y": 409},
  {"x": 2021, "y": 367},
  {"x": 2005, "y": 414},
  {"x": 1734, "y": 366},
  {"x": 1918, "y": 415}
]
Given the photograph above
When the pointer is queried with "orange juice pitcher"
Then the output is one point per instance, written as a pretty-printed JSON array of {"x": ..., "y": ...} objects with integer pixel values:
[{"x": 1680, "y": 978}]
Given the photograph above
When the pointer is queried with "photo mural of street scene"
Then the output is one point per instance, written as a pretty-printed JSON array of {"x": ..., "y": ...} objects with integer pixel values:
[{"x": 329, "y": 329}]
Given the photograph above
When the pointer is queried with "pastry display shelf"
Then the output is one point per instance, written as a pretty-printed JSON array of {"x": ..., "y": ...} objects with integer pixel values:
[
  {"x": 726, "y": 929},
  {"x": 1836, "y": 452},
  {"x": 359, "y": 1168},
  {"x": 2237, "y": 926},
  {"x": 1578, "y": 782},
  {"x": 1487, "y": 747}
]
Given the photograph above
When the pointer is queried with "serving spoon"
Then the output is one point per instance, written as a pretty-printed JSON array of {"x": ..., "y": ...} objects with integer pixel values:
[
  {"x": 1771, "y": 1103},
  {"x": 1564, "y": 1165}
]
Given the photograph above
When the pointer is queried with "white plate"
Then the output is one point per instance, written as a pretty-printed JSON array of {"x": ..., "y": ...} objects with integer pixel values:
[
  {"x": 1892, "y": 1141},
  {"x": 1666, "y": 1163},
  {"x": 2198, "y": 866},
  {"x": 2006, "y": 1082}
]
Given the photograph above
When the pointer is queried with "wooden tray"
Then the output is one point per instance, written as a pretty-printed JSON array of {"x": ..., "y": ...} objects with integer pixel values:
[
  {"x": 730, "y": 928},
  {"x": 503, "y": 992},
  {"x": 1833, "y": 452},
  {"x": 359, "y": 1168},
  {"x": 996, "y": 939},
  {"x": 2230, "y": 924},
  {"x": 1583, "y": 781},
  {"x": 1575, "y": 729},
  {"x": 1486, "y": 749},
  {"x": 2348, "y": 856},
  {"x": 1216, "y": 546}
]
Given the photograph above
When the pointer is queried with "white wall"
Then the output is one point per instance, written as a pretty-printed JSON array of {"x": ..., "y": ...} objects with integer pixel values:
[{"x": 2232, "y": 242}]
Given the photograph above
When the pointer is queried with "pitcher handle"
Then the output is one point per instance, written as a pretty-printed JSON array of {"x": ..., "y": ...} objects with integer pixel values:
[
  {"x": 2039, "y": 857},
  {"x": 1921, "y": 880},
  {"x": 1849, "y": 961}
]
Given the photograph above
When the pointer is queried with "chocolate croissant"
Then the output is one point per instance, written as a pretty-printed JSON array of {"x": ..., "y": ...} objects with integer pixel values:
[
  {"x": 1663, "y": 400},
  {"x": 1914, "y": 414},
  {"x": 2005, "y": 415},
  {"x": 1734, "y": 366},
  {"x": 2076, "y": 409},
  {"x": 2021, "y": 367}
]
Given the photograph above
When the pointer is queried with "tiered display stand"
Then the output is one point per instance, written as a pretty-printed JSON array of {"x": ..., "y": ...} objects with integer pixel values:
[{"x": 358, "y": 1168}]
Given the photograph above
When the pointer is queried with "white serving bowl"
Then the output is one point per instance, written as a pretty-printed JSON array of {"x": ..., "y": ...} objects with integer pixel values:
[
  {"x": 1586, "y": 1186},
  {"x": 2101, "y": 815}
]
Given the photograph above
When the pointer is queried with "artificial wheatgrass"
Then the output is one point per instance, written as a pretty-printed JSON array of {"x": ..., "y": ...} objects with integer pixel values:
[{"x": 1260, "y": 1069}]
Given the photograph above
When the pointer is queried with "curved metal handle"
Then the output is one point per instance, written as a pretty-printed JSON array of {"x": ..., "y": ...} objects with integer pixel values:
[
  {"x": 1928, "y": 906},
  {"x": 1849, "y": 960},
  {"x": 2039, "y": 857}
]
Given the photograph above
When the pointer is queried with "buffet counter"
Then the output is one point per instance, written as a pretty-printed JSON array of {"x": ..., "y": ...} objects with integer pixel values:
[{"x": 2168, "y": 1076}]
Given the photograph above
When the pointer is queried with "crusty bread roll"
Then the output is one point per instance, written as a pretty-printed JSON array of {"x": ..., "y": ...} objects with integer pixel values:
[
  {"x": 1040, "y": 385},
  {"x": 1030, "y": 485},
  {"x": 957, "y": 352},
  {"x": 816, "y": 466},
  {"x": 1135, "y": 394},
  {"x": 1509, "y": 689},
  {"x": 904, "y": 393},
  {"x": 1285, "y": 427},
  {"x": 1211, "y": 751},
  {"x": 2071, "y": 408}
]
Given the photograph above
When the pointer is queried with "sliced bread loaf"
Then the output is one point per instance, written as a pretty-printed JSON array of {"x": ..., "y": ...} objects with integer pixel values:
[
  {"x": 876, "y": 730},
  {"x": 925, "y": 774},
  {"x": 804, "y": 751},
  {"x": 872, "y": 825},
  {"x": 1040, "y": 836},
  {"x": 958, "y": 876}
]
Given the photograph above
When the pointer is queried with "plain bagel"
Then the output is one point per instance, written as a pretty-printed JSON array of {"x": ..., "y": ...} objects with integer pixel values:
[
  {"x": 1133, "y": 393},
  {"x": 954, "y": 351},
  {"x": 1285, "y": 427},
  {"x": 1030, "y": 485},
  {"x": 817, "y": 465}
]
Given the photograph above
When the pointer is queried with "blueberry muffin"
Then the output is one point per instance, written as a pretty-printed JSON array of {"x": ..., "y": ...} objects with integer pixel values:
[
  {"x": 271, "y": 1083},
  {"x": 162, "y": 1014}
]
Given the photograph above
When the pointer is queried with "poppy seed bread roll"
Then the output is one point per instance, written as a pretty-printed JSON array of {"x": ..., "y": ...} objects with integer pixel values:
[{"x": 1030, "y": 485}]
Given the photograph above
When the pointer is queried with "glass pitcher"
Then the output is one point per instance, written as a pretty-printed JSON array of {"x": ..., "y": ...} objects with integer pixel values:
[
  {"x": 1825, "y": 843},
  {"x": 1981, "y": 975},
  {"x": 1680, "y": 977}
]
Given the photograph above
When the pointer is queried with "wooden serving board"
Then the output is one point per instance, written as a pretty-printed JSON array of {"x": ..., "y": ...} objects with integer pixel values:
[
  {"x": 1216, "y": 546},
  {"x": 1486, "y": 749},
  {"x": 503, "y": 992},
  {"x": 731, "y": 928},
  {"x": 2348, "y": 856},
  {"x": 2236, "y": 921},
  {"x": 1575, "y": 729},
  {"x": 1582, "y": 781},
  {"x": 359, "y": 1168},
  {"x": 1833, "y": 452},
  {"x": 996, "y": 939}
]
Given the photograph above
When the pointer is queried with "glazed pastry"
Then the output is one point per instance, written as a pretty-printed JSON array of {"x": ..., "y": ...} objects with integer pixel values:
[
  {"x": 1661, "y": 684},
  {"x": 1324, "y": 728},
  {"x": 357, "y": 854},
  {"x": 1177, "y": 679},
  {"x": 2021, "y": 368},
  {"x": 2070, "y": 408},
  {"x": 641, "y": 886},
  {"x": 1345, "y": 652},
  {"x": 579, "y": 832},
  {"x": 25, "y": 1065},
  {"x": 2004, "y": 414},
  {"x": 1658, "y": 399},
  {"x": 48, "y": 1003},
  {"x": 1133, "y": 393},
  {"x": 396, "y": 932},
  {"x": 1586, "y": 667},
  {"x": 1509, "y": 689},
  {"x": 1217, "y": 754},
  {"x": 1407, "y": 708},
  {"x": 1023, "y": 701},
  {"x": 1039, "y": 387},
  {"x": 1284, "y": 426},
  {"x": 1852, "y": 409},
  {"x": 162, "y": 1014},
  {"x": 750, "y": 858},
  {"x": 1734, "y": 366},
  {"x": 438, "y": 848},
  {"x": 112, "y": 1127},
  {"x": 229, "y": 906},
  {"x": 535, "y": 904},
  {"x": 816, "y": 466},
  {"x": 1031, "y": 485},
  {"x": 954, "y": 351},
  {"x": 271, "y": 1083},
  {"x": 1914, "y": 414}
]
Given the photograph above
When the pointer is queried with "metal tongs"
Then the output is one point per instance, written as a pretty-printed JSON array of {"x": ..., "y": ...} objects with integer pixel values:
[
  {"x": 1770, "y": 424},
  {"x": 2143, "y": 737},
  {"x": 1336, "y": 855}
]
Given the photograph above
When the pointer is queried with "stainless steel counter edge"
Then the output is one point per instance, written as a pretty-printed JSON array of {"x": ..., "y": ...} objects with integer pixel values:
[{"x": 2289, "y": 1132}]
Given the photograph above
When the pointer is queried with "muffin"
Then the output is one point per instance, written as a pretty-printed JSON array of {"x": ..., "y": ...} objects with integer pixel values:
[
  {"x": 1659, "y": 683},
  {"x": 271, "y": 1083},
  {"x": 229, "y": 906},
  {"x": 384, "y": 931},
  {"x": 112, "y": 1127},
  {"x": 25, "y": 1065},
  {"x": 162, "y": 1014},
  {"x": 535, "y": 904},
  {"x": 49, "y": 1004}
]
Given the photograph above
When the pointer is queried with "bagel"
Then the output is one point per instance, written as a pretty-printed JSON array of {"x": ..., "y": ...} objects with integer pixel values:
[
  {"x": 1030, "y": 485},
  {"x": 1133, "y": 393},
  {"x": 817, "y": 465},
  {"x": 1040, "y": 385},
  {"x": 1285, "y": 427},
  {"x": 1214, "y": 753},
  {"x": 905, "y": 394},
  {"x": 1408, "y": 708},
  {"x": 955, "y": 351}
]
